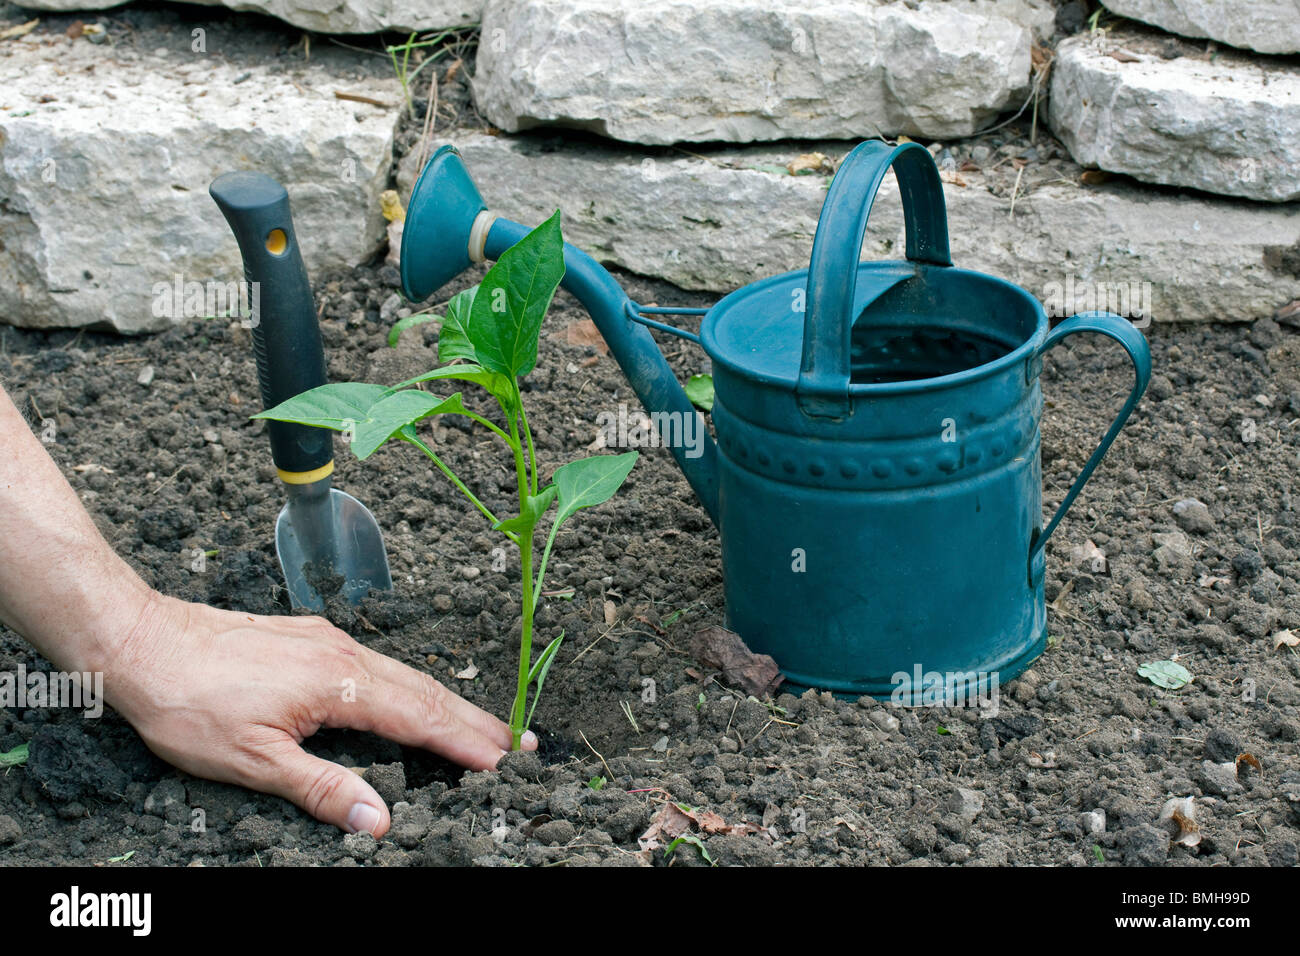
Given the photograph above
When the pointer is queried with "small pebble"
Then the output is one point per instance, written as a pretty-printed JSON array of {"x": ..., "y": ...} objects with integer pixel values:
[{"x": 146, "y": 376}]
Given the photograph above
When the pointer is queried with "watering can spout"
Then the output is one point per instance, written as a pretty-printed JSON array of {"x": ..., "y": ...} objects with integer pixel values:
[{"x": 449, "y": 227}]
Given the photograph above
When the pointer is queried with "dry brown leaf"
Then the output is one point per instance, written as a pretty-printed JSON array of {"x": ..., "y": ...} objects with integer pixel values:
[
  {"x": 673, "y": 820},
  {"x": 19, "y": 31},
  {"x": 1285, "y": 639},
  {"x": 666, "y": 826},
  {"x": 1181, "y": 811},
  {"x": 1250, "y": 760},
  {"x": 1093, "y": 177},
  {"x": 810, "y": 163},
  {"x": 1208, "y": 581},
  {"x": 755, "y": 674},
  {"x": 1090, "y": 556},
  {"x": 1124, "y": 56},
  {"x": 583, "y": 332},
  {"x": 469, "y": 673}
]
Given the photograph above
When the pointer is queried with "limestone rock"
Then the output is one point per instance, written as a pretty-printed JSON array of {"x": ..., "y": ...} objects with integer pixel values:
[
  {"x": 337, "y": 16},
  {"x": 719, "y": 222},
  {"x": 751, "y": 70},
  {"x": 1229, "y": 126},
  {"x": 1265, "y": 26},
  {"x": 105, "y": 161}
]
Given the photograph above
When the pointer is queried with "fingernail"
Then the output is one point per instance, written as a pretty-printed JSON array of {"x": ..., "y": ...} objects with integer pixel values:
[
  {"x": 529, "y": 739},
  {"x": 363, "y": 818}
]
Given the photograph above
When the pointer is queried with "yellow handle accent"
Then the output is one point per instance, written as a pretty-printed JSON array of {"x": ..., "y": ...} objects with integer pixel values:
[{"x": 306, "y": 477}]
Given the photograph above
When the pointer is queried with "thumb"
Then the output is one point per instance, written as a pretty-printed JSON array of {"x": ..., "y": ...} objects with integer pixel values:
[{"x": 328, "y": 791}]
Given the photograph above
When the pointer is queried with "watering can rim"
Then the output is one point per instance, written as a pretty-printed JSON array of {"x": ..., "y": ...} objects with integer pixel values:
[{"x": 735, "y": 299}]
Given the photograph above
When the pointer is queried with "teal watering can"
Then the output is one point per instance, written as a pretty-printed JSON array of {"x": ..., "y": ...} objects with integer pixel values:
[{"x": 876, "y": 480}]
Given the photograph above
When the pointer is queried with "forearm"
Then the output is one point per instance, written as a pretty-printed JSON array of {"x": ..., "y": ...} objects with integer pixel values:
[{"x": 61, "y": 586}]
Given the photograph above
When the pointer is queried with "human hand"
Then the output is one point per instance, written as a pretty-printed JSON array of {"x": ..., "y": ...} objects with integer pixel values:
[{"x": 231, "y": 696}]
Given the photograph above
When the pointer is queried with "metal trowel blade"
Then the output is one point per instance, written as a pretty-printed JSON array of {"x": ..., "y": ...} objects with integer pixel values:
[{"x": 352, "y": 555}]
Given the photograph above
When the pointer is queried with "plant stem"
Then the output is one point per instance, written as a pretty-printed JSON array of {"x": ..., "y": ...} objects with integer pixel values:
[
  {"x": 519, "y": 711},
  {"x": 546, "y": 554},
  {"x": 456, "y": 481},
  {"x": 525, "y": 542},
  {"x": 474, "y": 416},
  {"x": 532, "y": 453}
]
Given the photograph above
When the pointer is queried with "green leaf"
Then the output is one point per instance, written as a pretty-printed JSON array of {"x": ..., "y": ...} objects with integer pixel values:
[
  {"x": 693, "y": 841},
  {"x": 337, "y": 406},
  {"x": 1167, "y": 674},
  {"x": 453, "y": 343},
  {"x": 419, "y": 318},
  {"x": 507, "y": 312},
  {"x": 597, "y": 783},
  {"x": 395, "y": 413},
  {"x": 590, "y": 481},
  {"x": 125, "y": 857},
  {"x": 14, "y": 758},
  {"x": 942, "y": 731},
  {"x": 1097, "y": 852},
  {"x": 699, "y": 389},
  {"x": 538, "y": 674},
  {"x": 524, "y": 522},
  {"x": 495, "y": 383}
]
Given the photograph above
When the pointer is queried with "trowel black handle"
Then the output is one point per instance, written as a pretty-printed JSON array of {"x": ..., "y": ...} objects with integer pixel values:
[{"x": 286, "y": 335}]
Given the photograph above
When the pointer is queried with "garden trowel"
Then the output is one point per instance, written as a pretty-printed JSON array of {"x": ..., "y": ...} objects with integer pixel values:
[{"x": 326, "y": 540}]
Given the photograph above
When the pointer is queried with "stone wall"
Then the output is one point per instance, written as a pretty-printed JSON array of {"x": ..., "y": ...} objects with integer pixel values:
[{"x": 692, "y": 140}]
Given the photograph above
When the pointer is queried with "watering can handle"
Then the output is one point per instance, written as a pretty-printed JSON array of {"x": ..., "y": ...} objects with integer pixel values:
[
  {"x": 833, "y": 272},
  {"x": 1135, "y": 344}
]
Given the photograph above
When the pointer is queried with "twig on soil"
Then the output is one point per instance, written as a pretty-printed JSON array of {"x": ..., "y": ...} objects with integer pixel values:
[
  {"x": 359, "y": 98},
  {"x": 159, "y": 487},
  {"x": 430, "y": 120},
  {"x": 358, "y": 49},
  {"x": 609, "y": 774},
  {"x": 578, "y": 657},
  {"x": 627, "y": 712},
  {"x": 1015, "y": 192}
]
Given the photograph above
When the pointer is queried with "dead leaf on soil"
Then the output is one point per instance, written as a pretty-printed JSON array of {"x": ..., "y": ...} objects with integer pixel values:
[
  {"x": 1090, "y": 556},
  {"x": 469, "y": 673},
  {"x": 21, "y": 30},
  {"x": 93, "y": 468},
  {"x": 1250, "y": 760},
  {"x": 1182, "y": 812},
  {"x": 673, "y": 820},
  {"x": 809, "y": 163},
  {"x": 611, "y": 613},
  {"x": 668, "y": 824},
  {"x": 1093, "y": 177},
  {"x": 1208, "y": 581},
  {"x": 1285, "y": 639},
  {"x": 1124, "y": 56},
  {"x": 755, "y": 674},
  {"x": 584, "y": 332}
]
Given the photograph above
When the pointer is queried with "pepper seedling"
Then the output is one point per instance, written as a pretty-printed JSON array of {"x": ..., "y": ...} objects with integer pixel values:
[{"x": 488, "y": 338}]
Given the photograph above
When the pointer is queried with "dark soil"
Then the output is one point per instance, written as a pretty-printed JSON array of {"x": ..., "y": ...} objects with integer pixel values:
[
  {"x": 177, "y": 469},
  {"x": 182, "y": 470}
]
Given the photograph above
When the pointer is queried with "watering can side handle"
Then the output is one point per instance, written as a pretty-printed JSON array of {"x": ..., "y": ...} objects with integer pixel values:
[
  {"x": 1135, "y": 344},
  {"x": 832, "y": 272}
]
